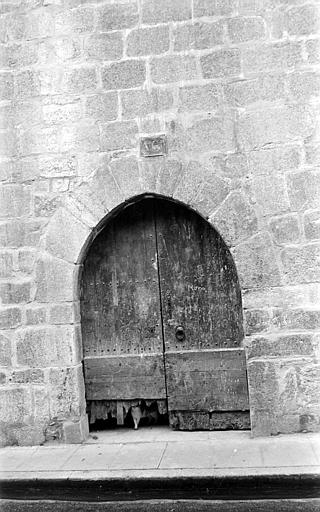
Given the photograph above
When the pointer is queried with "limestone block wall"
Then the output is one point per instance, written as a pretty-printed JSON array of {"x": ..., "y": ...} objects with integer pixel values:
[{"x": 234, "y": 85}]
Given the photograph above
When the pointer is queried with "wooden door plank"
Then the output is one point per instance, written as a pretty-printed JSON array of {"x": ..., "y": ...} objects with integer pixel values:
[
  {"x": 125, "y": 377},
  {"x": 120, "y": 306},
  {"x": 207, "y": 381},
  {"x": 120, "y": 310},
  {"x": 205, "y": 371},
  {"x": 198, "y": 281},
  {"x": 195, "y": 420}
]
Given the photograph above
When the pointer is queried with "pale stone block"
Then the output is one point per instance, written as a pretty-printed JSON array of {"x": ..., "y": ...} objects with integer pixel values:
[
  {"x": 274, "y": 125},
  {"x": 285, "y": 229},
  {"x": 6, "y": 350},
  {"x": 140, "y": 103},
  {"x": 261, "y": 58},
  {"x": 201, "y": 188},
  {"x": 166, "y": 10},
  {"x": 206, "y": 98},
  {"x": 54, "y": 280},
  {"x": 242, "y": 29},
  {"x": 124, "y": 75},
  {"x": 107, "y": 46},
  {"x": 15, "y": 200},
  {"x": 169, "y": 176},
  {"x": 280, "y": 345},
  {"x": 235, "y": 220},
  {"x": 6, "y": 85},
  {"x": 304, "y": 189},
  {"x": 36, "y": 315},
  {"x": 12, "y": 292},
  {"x": 119, "y": 135},
  {"x": 256, "y": 262},
  {"x": 10, "y": 318},
  {"x": 118, "y": 15},
  {"x": 102, "y": 106},
  {"x": 126, "y": 173},
  {"x": 221, "y": 63},
  {"x": 271, "y": 195},
  {"x": 198, "y": 35},
  {"x": 6, "y": 264},
  {"x": 65, "y": 236},
  {"x": 105, "y": 188},
  {"x": 212, "y": 134},
  {"x": 301, "y": 264},
  {"x": 148, "y": 41},
  {"x": 41, "y": 347},
  {"x": 256, "y": 321},
  {"x": 312, "y": 225},
  {"x": 66, "y": 390},
  {"x": 66, "y": 313},
  {"x": 75, "y": 431},
  {"x": 173, "y": 68},
  {"x": 69, "y": 21},
  {"x": 303, "y": 20},
  {"x": 16, "y": 405},
  {"x": 80, "y": 137},
  {"x": 79, "y": 80},
  {"x": 214, "y": 7}
]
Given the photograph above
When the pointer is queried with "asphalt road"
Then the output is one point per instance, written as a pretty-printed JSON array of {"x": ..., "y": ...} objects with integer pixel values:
[{"x": 309, "y": 505}]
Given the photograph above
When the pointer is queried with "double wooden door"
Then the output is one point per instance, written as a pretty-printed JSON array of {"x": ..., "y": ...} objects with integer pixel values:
[{"x": 162, "y": 318}]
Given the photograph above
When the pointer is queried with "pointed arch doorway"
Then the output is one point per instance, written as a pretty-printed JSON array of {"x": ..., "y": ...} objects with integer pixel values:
[{"x": 162, "y": 319}]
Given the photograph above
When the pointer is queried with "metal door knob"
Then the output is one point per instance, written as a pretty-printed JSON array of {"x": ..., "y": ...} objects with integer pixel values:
[{"x": 180, "y": 334}]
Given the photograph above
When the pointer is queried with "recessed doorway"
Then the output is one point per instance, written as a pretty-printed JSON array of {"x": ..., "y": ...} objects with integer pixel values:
[{"x": 162, "y": 322}]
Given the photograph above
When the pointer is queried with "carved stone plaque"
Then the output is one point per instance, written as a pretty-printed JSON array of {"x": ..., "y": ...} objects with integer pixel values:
[{"x": 153, "y": 146}]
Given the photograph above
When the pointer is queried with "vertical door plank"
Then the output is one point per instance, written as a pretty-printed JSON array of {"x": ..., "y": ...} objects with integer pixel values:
[
  {"x": 206, "y": 370},
  {"x": 199, "y": 285},
  {"x": 120, "y": 306}
]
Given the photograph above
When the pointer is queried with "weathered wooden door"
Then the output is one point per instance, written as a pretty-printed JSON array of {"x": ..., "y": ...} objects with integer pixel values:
[{"x": 161, "y": 317}]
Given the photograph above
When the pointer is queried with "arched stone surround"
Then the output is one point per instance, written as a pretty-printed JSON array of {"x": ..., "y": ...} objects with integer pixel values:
[{"x": 86, "y": 211}]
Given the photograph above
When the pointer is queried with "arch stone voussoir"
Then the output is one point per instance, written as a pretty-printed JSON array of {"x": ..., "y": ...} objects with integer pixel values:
[
  {"x": 235, "y": 219},
  {"x": 65, "y": 236},
  {"x": 201, "y": 188}
]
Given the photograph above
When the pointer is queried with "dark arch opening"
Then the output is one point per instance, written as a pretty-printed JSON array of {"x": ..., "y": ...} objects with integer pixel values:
[{"x": 161, "y": 306}]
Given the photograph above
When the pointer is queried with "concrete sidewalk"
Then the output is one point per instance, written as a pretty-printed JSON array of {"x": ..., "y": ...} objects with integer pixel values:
[{"x": 161, "y": 452}]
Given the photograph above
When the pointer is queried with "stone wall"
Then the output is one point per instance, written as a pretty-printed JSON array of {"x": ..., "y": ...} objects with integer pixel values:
[{"x": 234, "y": 84}]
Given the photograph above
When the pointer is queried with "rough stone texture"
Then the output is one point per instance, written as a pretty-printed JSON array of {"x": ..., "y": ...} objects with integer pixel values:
[
  {"x": 214, "y": 7},
  {"x": 175, "y": 68},
  {"x": 119, "y": 15},
  {"x": 119, "y": 136},
  {"x": 301, "y": 264},
  {"x": 159, "y": 12},
  {"x": 235, "y": 219},
  {"x": 221, "y": 63},
  {"x": 205, "y": 98},
  {"x": 148, "y": 41},
  {"x": 140, "y": 102},
  {"x": 124, "y": 75},
  {"x": 55, "y": 280},
  {"x": 244, "y": 29},
  {"x": 285, "y": 229},
  {"x": 104, "y": 46},
  {"x": 256, "y": 263},
  {"x": 65, "y": 226},
  {"x": 234, "y": 84},
  {"x": 213, "y": 133},
  {"x": 197, "y": 36},
  {"x": 32, "y": 346}
]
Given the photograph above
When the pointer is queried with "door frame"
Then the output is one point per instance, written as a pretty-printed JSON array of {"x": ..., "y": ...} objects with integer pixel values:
[{"x": 104, "y": 225}]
